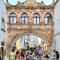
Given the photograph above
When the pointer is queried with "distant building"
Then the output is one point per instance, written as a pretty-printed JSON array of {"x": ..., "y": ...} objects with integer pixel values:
[
  {"x": 56, "y": 42},
  {"x": 2, "y": 24}
]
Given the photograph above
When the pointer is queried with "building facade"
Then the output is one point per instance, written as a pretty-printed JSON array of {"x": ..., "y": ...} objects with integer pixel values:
[
  {"x": 2, "y": 28},
  {"x": 2, "y": 23},
  {"x": 56, "y": 26},
  {"x": 27, "y": 18}
]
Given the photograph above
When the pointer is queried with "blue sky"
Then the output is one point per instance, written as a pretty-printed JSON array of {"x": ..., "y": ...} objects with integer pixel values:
[{"x": 15, "y": 1}]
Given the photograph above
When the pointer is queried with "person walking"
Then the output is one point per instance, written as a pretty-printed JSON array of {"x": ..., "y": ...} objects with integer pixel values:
[
  {"x": 29, "y": 57},
  {"x": 34, "y": 56},
  {"x": 53, "y": 55},
  {"x": 57, "y": 55},
  {"x": 0, "y": 54},
  {"x": 46, "y": 56},
  {"x": 6, "y": 56},
  {"x": 12, "y": 55},
  {"x": 17, "y": 56}
]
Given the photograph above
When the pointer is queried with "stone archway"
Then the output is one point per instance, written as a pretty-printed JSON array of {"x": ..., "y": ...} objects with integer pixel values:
[{"x": 17, "y": 36}]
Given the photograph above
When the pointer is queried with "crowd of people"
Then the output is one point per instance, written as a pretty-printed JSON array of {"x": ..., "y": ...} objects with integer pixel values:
[{"x": 33, "y": 54}]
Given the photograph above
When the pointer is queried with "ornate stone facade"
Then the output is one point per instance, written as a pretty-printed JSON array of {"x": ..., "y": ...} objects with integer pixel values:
[{"x": 15, "y": 31}]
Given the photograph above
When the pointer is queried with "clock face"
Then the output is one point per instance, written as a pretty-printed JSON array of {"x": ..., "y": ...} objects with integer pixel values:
[{"x": 47, "y": 2}]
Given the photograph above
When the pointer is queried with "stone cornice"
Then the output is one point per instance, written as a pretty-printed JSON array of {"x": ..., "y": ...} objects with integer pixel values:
[{"x": 30, "y": 7}]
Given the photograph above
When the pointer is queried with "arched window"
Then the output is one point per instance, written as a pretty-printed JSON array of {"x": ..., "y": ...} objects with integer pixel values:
[
  {"x": 48, "y": 18},
  {"x": 12, "y": 18},
  {"x": 36, "y": 18},
  {"x": 24, "y": 18}
]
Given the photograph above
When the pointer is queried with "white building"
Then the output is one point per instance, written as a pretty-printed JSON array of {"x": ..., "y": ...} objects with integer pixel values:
[
  {"x": 57, "y": 26},
  {"x": 2, "y": 24}
]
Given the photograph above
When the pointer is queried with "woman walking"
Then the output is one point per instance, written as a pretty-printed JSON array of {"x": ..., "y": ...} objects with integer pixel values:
[
  {"x": 12, "y": 55},
  {"x": 17, "y": 56}
]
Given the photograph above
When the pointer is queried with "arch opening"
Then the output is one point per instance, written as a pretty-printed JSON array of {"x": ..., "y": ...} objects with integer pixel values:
[{"x": 30, "y": 42}]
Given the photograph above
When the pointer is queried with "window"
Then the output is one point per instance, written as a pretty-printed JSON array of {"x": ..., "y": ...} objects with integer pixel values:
[
  {"x": 2, "y": 44},
  {"x": 3, "y": 25},
  {"x": 12, "y": 18},
  {"x": 36, "y": 18},
  {"x": 24, "y": 18},
  {"x": 48, "y": 18}
]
